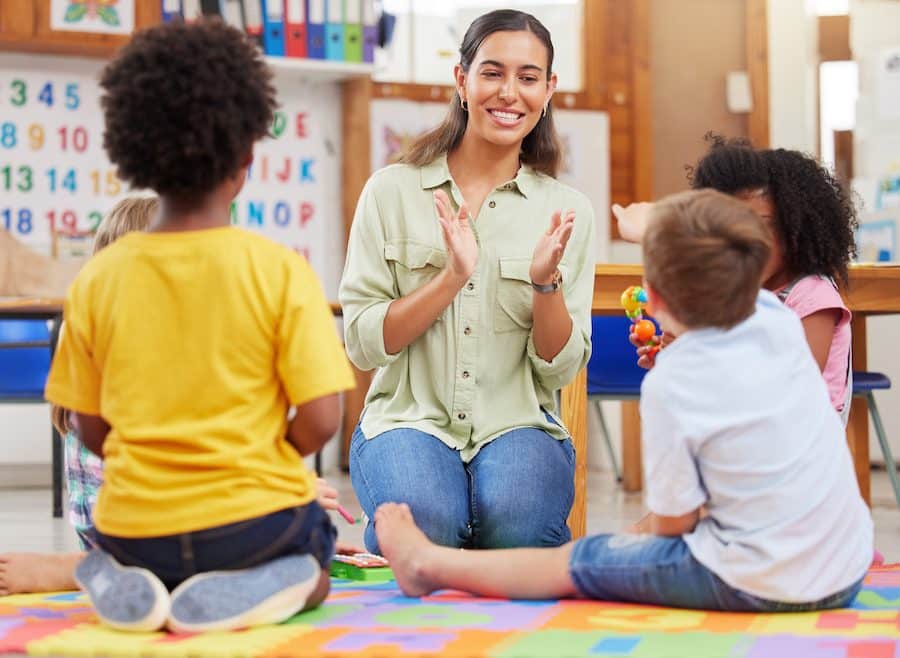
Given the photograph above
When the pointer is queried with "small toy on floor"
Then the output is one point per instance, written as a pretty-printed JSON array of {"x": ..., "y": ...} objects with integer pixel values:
[{"x": 361, "y": 566}]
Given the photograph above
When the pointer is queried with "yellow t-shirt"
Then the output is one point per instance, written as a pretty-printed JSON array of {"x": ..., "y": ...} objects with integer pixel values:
[{"x": 192, "y": 346}]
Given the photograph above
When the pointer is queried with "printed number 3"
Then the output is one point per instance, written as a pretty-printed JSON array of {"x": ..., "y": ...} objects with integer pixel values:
[{"x": 19, "y": 87}]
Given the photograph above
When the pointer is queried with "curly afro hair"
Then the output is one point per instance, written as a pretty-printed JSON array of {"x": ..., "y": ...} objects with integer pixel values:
[
  {"x": 815, "y": 215},
  {"x": 183, "y": 105}
]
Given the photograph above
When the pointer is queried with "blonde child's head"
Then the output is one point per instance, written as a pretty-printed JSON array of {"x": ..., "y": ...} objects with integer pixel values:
[
  {"x": 129, "y": 214},
  {"x": 704, "y": 254}
]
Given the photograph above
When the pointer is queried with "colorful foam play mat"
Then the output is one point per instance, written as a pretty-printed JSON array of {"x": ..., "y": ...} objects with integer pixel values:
[{"x": 375, "y": 619}]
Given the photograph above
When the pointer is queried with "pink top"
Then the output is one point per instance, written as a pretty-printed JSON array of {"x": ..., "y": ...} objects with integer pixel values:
[{"x": 816, "y": 293}]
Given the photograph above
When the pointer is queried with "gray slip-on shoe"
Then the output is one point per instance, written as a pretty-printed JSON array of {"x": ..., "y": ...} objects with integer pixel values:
[
  {"x": 125, "y": 598},
  {"x": 224, "y": 600}
]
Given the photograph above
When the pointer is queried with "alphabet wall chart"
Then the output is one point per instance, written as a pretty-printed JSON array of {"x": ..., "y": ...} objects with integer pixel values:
[{"x": 55, "y": 175}]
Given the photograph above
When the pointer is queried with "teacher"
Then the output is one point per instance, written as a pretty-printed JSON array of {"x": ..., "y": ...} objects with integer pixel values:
[{"x": 468, "y": 286}]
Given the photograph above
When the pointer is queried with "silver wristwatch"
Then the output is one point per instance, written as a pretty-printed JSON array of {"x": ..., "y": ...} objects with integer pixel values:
[{"x": 553, "y": 286}]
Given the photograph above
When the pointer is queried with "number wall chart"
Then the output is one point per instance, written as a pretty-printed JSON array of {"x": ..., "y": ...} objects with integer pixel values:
[{"x": 55, "y": 175}]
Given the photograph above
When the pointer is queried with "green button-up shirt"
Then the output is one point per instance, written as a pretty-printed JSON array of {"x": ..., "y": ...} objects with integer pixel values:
[{"x": 474, "y": 374}]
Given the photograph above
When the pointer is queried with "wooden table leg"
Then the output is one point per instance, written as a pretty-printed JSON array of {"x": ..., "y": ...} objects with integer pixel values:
[
  {"x": 354, "y": 401},
  {"x": 632, "y": 477},
  {"x": 574, "y": 417},
  {"x": 858, "y": 424}
]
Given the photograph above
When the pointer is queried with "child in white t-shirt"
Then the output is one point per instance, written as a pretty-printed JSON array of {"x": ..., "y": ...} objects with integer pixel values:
[{"x": 736, "y": 420}]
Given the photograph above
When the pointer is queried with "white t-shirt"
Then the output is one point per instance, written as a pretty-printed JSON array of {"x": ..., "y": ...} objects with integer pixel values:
[{"x": 740, "y": 421}]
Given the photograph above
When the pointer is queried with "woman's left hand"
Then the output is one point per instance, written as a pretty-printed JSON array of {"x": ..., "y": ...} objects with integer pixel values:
[{"x": 551, "y": 246}]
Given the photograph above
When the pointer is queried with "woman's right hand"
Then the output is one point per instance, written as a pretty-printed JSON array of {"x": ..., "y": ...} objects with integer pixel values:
[{"x": 462, "y": 249}]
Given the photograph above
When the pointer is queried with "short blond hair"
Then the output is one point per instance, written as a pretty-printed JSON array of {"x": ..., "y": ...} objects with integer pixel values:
[
  {"x": 704, "y": 254},
  {"x": 130, "y": 214}
]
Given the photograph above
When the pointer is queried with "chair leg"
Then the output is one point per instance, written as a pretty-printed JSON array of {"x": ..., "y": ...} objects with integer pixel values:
[
  {"x": 889, "y": 464},
  {"x": 608, "y": 440},
  {"x": 56, "y": 440},
  {"x": 57, "y": 466}
]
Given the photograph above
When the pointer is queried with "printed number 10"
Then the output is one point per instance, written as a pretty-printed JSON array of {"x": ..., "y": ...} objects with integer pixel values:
[{"x": 79, "y": 138}]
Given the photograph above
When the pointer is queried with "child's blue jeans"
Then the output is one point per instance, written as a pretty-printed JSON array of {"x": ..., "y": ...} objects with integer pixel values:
[
  {"x": 517, "y": 491},
  {"x": 175, "y": 558},
  {"x": 662, "y": 571}
]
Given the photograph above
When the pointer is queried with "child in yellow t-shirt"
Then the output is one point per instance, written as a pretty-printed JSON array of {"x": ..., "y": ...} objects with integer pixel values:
[{"x": 183, "y": 349}]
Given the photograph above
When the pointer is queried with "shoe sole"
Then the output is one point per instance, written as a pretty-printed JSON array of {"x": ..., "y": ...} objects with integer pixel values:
[
  {"x": 125, "y": 598},
  {"x": 226, "y": 600}
]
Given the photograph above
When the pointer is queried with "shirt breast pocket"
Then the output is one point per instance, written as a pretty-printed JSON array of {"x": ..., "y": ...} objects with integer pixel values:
[
  {"x": 513, "y": 309},
  {"x": 415, "y": 264}
]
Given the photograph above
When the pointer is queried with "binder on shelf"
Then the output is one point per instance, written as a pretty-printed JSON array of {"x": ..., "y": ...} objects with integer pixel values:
[
  {"x": 273, "y": 27},
  {"x": 253, "y": 22},
  {"x": 170, "y": 9},
  {"x": 295, "y": 28},
  {"x": 315, "y": 29},
  {"x": 353, "y": 34},
  {"x": 232, "y": 13},
  {"x": 370, "y": 30},
  {"x": 210, "y": 8},
  {"x": 334, "y": 30},
  {"x": 190, "y": 10}
]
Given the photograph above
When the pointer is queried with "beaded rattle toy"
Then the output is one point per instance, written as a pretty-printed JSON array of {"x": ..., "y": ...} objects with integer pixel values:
[{"x": 633, "y": 301}]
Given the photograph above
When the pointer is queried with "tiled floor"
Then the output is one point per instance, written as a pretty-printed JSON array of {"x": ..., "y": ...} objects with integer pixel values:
[{"x": 26, "y": 525}]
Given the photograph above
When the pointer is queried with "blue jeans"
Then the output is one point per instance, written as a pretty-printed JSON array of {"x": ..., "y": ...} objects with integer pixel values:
[
  {"x": 662, "y": 571},
  {"x": 175, "y": 558},
  {"x": 517, "y": 491}
]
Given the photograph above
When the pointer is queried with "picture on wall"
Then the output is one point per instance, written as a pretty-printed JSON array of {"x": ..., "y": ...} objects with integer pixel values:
[{"x": 97, "y": 16}]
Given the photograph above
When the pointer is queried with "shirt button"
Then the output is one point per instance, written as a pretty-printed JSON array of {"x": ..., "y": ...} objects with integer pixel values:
[
  {"x": 467, "y": 331},
  {"x": 461, "y": 416},
  {"x": 471, "y": 286},
  {"x": 465, "y": 374},
  {"x": 492, "y": 204}
]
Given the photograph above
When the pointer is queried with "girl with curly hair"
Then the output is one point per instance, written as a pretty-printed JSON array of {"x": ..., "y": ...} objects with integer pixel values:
[{"x": 812, "y": 220}]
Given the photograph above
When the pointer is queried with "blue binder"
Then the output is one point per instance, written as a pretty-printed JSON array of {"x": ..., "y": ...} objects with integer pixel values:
[
  {"x": 170, "y": 9},
  {"x": 315, "y": 29},
  {"x": 334, "y": 30},
  {"x": 273, "y": 27}
]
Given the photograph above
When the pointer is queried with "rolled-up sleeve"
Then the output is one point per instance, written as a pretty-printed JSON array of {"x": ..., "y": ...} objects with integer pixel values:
[
  {"x": 367, "y": 286},
  {"x": 579, "y": 293}
]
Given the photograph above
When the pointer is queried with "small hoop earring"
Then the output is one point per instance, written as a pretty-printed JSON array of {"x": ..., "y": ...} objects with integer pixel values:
[
  {"x": 464, "y": 105},
  {"x": 544, "y": 113}
]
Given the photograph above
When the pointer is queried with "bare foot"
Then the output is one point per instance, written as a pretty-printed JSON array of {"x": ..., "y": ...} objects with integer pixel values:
[
  {"x": 24, "y": 573},
  {"x": 406, "y": 548}
]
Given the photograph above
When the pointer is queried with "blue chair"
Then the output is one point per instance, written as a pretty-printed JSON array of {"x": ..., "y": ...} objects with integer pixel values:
[
  {"x": 864, "y": 386},
  {"x": 24, "y": 360},
  {"x": 612, "y": 371},
  {"x": 26, "y": 348}
]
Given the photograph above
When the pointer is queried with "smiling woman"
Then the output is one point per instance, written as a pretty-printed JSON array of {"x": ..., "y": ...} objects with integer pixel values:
[{"x": 468, "y": 287}]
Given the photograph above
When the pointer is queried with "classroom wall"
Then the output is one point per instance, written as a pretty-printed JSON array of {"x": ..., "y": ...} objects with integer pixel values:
[
  {"x": 694, "y": 44},
  {"x": 873, "y": 28}
]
